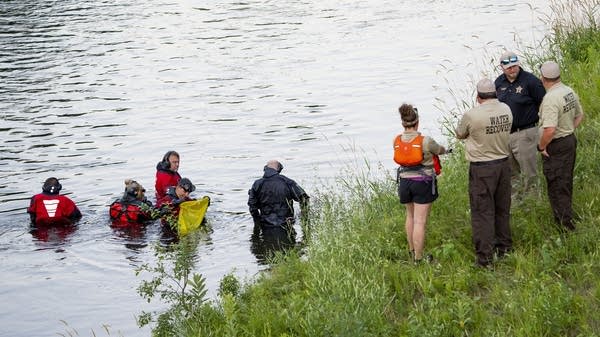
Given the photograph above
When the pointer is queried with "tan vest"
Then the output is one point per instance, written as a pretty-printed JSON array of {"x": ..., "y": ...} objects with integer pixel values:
[
  {"x": 559, "y": 108},
  {"x": 487, "y": 128}
]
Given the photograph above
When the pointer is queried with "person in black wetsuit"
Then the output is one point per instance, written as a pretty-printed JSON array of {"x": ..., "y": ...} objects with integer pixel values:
[{"x": 271, "y": 203}]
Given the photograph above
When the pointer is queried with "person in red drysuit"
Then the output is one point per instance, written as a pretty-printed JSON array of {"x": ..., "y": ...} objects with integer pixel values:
[
  {"x": 49, "y": 207},
  {"x": 166, "y": 174},
  {"x": 132, "y": 208}
]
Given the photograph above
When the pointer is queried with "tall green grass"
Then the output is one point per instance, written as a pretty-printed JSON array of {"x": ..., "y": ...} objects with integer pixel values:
[{"x": 355, "y": 277}]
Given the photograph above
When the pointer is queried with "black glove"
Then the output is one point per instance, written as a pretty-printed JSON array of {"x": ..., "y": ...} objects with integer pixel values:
[
  {"x": 176, "y": 202},
  {"x": 164, "y": 210}
]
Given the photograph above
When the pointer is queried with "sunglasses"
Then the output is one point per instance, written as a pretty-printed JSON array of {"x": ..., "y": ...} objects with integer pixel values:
[
  {"x": 509, "y": 60},
  {"x": 185, "y": 188}
]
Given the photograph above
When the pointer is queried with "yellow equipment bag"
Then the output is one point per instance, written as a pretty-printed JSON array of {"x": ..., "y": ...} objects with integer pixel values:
[{"x": 191, "y": 214}]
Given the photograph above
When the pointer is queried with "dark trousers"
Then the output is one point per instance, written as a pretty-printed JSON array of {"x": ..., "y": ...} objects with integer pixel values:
[
  {"x": 558, "y": 170},
  {"x": 267, "y": 240},
  {"x": 489, "y": 196}
]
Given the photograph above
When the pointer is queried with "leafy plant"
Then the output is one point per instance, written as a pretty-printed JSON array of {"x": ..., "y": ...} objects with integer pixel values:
[
  {"x": 174, "y": 283},
  {"x": 229, "y": 285}
]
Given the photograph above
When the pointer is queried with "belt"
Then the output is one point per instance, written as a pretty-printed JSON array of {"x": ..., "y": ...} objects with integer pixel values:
[
  {"x": 420, "y": 178},
  {"x": 489, "y": 162},
  {"x": 560, "y": 139},
  {"x": 521, "y": 128}
]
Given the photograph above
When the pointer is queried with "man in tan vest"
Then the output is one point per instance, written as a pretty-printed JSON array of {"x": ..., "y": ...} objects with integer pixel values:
[
  {"x": 560, "y": 115},
  {"x": 486, "y": 129}
]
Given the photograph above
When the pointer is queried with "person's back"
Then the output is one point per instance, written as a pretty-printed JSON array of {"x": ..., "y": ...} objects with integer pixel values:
[
  {"x": 132, "y": 207},
  {"x": 417, "y": 179},
  {"x": 49, "y": 207},
  {"x": 274, "y": 203},
  {"x": 271, "y": 197},
  {"x": 486, "y": 130},
  {"x": 488, "y": 126}
]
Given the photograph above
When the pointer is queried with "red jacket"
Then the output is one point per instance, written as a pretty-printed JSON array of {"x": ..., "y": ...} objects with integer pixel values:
[
  {"x": 124, "y": 214},
  {"x": 52, "y": 208},
  {"x": 165, "y": 178},
  {"x": 169, "y": 204}
]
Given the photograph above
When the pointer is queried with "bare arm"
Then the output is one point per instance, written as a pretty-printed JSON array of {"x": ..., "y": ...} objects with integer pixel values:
[
  {"x": 577, "y": 120},
  {"x": 546, "y": 138}
]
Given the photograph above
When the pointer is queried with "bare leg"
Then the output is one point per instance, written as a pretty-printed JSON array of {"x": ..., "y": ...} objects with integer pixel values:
[
  {"x": 420, "y": 214},
  {"x": 408, "y": 225}
]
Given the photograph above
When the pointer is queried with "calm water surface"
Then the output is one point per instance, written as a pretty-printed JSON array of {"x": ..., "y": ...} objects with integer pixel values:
[{"x": 95, "y": 92}]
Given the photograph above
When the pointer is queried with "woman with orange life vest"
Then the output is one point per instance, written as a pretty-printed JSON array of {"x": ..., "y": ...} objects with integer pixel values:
[{"x": 416, "y": 177}]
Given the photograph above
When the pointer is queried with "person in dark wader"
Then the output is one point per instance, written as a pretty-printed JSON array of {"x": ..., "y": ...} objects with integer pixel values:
[
  {"x": 271, "y": 203},
  {"x": 133, "y": 208}
]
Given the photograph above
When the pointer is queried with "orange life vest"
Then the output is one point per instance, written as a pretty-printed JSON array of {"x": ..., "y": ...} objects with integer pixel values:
[{"x": 408, "y": 154}]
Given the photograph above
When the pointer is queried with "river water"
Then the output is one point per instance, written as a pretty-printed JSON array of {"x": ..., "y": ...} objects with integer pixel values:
[{"x": 95, "y": 91}]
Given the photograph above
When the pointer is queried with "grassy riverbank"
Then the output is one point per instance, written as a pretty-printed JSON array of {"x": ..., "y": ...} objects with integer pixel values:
[{"x": 355, "y": 278}]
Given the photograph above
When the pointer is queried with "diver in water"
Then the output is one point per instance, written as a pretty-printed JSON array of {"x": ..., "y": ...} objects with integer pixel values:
[
  {"x": 50, "y": 207},
  {"x": 132, "y": 207},
  {"x": 166, "y": 174}
]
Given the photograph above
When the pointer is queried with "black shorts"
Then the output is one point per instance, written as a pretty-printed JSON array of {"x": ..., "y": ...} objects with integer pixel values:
[{"x": 417, "y": 191}]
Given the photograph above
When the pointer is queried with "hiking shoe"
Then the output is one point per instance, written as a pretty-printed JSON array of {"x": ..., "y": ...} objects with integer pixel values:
[
  {"x": 427, "y": 258},
  {"x": 502, "y": 253},
  {"x": 483, "y": 266}
]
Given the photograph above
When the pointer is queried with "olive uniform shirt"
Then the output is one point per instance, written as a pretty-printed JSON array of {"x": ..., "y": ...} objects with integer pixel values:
[
  {"x": 559, "y": 108},
  {"x": 487, "y": 129}
]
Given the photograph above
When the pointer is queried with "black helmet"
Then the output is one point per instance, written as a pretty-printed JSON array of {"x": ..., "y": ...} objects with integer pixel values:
[
  {"x": 52, "y": 186},
  {"x": 187, "y": 185}
]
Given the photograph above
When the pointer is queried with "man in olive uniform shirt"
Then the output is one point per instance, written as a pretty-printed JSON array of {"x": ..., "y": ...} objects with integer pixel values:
[
  {"x": 560, "y": 115},
  {"x": 486, "y": 129}
]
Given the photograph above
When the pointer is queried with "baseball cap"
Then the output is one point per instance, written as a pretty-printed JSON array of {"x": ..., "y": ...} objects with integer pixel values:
[
  {"x": 550, "y": 69},
  {"x": 509, "y": 59},
  {"x": 187, "y": 185},
  {"x": 485, "y": 86}
]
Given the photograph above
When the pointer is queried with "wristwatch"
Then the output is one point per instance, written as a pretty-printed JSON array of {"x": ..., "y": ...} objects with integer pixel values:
[{"x": 539, "y": 148}]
